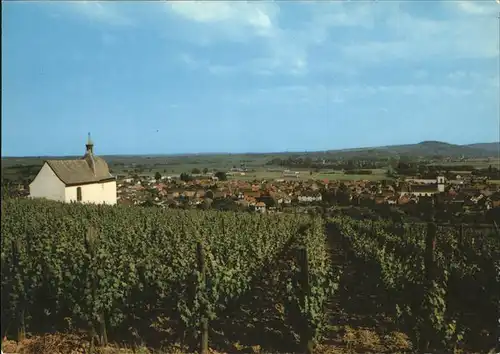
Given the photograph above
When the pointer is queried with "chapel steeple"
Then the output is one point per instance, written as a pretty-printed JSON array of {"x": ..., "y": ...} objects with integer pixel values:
[
  {"x": 89, "y": 155},
  {"x": 89, "y": 146}
]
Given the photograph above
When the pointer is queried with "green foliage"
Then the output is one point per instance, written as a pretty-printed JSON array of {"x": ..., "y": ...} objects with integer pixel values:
[
  {"x": 432, "y": 309},
  {"x": 221, "y": 176},
  {"x": 185, "y": 177},
  {"x": 140, "y": 272}
]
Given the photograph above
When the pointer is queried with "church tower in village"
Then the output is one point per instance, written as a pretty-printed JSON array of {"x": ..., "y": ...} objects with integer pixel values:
[{"x": 441, "y": 184}]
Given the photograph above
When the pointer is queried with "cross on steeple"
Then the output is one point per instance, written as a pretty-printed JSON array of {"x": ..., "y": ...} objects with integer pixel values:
[{"x": 90, "y": 145}]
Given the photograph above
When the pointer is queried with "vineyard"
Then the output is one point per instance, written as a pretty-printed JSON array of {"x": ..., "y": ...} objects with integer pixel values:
[
  {"x": 154, "y": 277},
  {"x": 439, "y": 284},
  {"x": 143, "y": 276}
]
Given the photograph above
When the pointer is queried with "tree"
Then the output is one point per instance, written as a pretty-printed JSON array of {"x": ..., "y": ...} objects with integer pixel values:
[
  {"x": 205, "y": 171},
  {"x": 148, "y": 203},
  {"x": 195, "y": 171},
  {"x": 207, "y": 202},
  {"x": 157, "y": 176},
  {"x": 224, "y": 205},
  {"x": 221, "y": 176},
  {"x": 391, "y": 173},
  {"x": 185, "y": 177},
  {"x": 343, "y": 194}
]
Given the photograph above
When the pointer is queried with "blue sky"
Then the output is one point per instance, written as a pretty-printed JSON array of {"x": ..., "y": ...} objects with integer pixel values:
[{"x": 184, "y": 77}]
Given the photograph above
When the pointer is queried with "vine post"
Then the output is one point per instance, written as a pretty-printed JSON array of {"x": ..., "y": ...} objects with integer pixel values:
[
  {"x": 461, "y": 235},
  {"x": 104, "y": 332},
  {"x": 21, "y": 328},
  {"x": 90, "y": 245},
  {"x": 430, "y": 246},
  {"x": 429, "y": 264},
  {"x": 204, "y": 319},
  {"x": 305, "y": 291},
  {"x": 345, "y": 248}
]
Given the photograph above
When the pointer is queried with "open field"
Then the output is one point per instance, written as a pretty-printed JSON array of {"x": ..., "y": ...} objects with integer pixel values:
[
  {"x": 306, "y": 175},
  {"x": 476, "y": 163},
  {"x": 174, "y": 166}
]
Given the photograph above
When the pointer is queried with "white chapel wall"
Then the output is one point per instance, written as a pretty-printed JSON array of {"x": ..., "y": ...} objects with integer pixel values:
[
  {"x": 47, "y": 185},
  {"x": 96, "y": 193}
]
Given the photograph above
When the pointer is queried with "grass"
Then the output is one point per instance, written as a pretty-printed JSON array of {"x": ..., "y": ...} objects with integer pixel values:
[
  {"x": 175, "y": 165},
  {"x": 305, "y": 175},
  {"x": 477, "y": 163},
  {"x": 259, "y": 173}
]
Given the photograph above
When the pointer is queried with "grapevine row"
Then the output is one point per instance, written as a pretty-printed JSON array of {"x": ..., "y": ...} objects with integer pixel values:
[
  {"x": 438, "y": 284},
  {"x": 134, "y": 273}
]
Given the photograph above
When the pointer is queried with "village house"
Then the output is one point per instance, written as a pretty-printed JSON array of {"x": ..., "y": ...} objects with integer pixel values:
[
  {"x": 309, "y": 197},
  {"x": 86, "y": 180},
  {"x": 260, "y": 207},
  {"x": 392, "y": 200},
  {"x": 288, "y": 173},
  {"x": 494, "y": 199},
  {"x": 423, "y": 190}
]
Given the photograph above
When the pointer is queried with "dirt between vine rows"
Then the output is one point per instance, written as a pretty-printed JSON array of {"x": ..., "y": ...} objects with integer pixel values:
[{"x": 352, "y": 341}]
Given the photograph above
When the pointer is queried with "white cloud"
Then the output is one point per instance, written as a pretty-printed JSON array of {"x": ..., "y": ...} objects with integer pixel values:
[
  {"x": 478, "y": 7},
  {"x": 323, "y": 96},
  {"x": 479, "y": 79},
  {"x": 421, "y": 74},
  {"x": 102, "y": 12},
  {"x": 419, "y": 39},
  {"x": 108, "y": 39},
  {"x": 256, "y": 17},
  {"x": 468, "y": 30},
  {"x": 457, "y": 75},
  {"x": 287, "y": 49},
  {"x": 189, "y": 61},
  {"x": 467, "y": 33},
  {"x": 210, "y": 12},
  {"x": 105, "y": 13}
]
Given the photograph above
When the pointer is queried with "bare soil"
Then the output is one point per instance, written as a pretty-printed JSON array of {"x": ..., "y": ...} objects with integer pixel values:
[{"x": 350, "y": 340}]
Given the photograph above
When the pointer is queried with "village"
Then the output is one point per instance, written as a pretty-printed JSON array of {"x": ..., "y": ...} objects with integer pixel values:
[
  {"x": 89, "y": 180},
  {"x": 282, "y": 195}
]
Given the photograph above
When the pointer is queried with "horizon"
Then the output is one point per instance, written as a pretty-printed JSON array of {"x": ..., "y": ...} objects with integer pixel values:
[
  {"x": 189, "y": 154},
  {"x": 187, "y": 78}
]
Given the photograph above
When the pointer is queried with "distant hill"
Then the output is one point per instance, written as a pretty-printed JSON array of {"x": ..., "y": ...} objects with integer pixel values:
[
  {"x": 423, "y": 149},
  {"x": 492, "y": 147}
]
